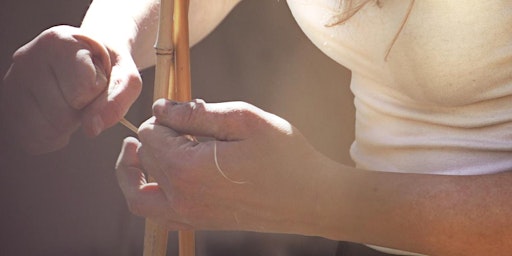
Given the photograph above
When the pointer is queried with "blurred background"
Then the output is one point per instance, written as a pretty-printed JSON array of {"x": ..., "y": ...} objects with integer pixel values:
[{"x": 68, "y": 202}]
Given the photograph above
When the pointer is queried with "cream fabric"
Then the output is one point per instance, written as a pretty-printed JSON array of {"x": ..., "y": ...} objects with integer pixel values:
[{"x": 442, "y": 101}]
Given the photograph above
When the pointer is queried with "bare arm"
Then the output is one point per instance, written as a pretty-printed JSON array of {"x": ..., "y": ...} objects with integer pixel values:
[
  {"x": 432, "y": 214},
  {"x": 131, "y": 26},
  {"x": 87, "y": 77},
  {"x": 271, "y": 180}
]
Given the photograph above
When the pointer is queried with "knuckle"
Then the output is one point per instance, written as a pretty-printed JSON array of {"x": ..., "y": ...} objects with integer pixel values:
[
  {"x": 59, "y": 28},
  {"x": 51, "y": 33},
  {"x": 195, "y": 109},
  {"x": 86, "y": 90},
  {"x": 134, "y": 81},
  {"x": 48, "y": 39},
  {"x": 246, "y": 114},
  {"x": 76, "y": 101},
  {"x": 18, "y": 54},
  {"x": 54, "y": 34},
  {"x": 145, "y": 131},
  {"x": 124, "y": 90},
  {"x": 126, "y": 78},
  {"x": 89, "y": 81}
]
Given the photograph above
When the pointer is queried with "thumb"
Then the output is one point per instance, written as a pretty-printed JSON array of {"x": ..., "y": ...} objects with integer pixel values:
[
  {"x": 223, "y": 121},
  {"x": 107, "y": 109},
  {"x": 99, "y": 52}
]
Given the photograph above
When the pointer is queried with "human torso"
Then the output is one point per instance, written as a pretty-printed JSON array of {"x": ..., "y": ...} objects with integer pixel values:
[{"x": 441, "y": 102}]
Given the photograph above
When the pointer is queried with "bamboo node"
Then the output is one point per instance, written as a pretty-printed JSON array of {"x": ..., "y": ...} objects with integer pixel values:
[{"x": 163, "y": 51}]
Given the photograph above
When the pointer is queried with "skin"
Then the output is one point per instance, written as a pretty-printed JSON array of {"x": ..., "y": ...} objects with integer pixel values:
[
  {"x": 93, "y": 87},
  {"x": 286, "y": 185},
  {"x": 289, "y": 187},
  {"x": 86, "y": 77}
]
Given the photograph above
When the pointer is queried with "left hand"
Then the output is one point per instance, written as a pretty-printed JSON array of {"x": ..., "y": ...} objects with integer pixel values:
[
  {"x": 61, "y": 80},
  {"x": 266, "y": 181}
]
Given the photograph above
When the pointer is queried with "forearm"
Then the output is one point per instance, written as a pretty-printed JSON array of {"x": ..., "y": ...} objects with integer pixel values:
[
  {"x": 261, "y": 174},
  {"x": 131, "y": 25},
  {"x": 126, "y": 26},
  {"x": 432, "y": 214}
]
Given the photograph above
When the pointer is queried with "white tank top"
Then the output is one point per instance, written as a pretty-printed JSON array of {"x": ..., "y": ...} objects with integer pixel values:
[{"x": 442, "y": 101}]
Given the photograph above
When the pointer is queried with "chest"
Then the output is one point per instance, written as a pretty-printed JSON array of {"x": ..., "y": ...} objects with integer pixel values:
[{"x": 448, "y": 52}]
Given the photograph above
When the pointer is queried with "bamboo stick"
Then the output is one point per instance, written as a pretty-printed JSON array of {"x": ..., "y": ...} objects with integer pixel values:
[
  {"x": 155, "y": 238},
  {"x": 172, "y": 81},
  {"x": 164, "y": 69},
  {"x": 181, "y": 91},
  {"x": 129, "y": 125}
]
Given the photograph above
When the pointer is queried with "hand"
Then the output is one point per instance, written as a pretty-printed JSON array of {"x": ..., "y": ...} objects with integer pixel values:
[
  {"x": 63, "y": 79},
  {"x": 264, "y": 181}
]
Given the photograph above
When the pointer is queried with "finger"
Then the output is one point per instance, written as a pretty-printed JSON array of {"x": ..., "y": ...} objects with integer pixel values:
[
  {"x": 37, "y": 77},
  {"x": 223, "y": 121},
  {"x": 39, "y": 135},
  {"x": 142, "y": 198},
  {"x": 81, "y": 64},
  {"x": 159, "y": 152},
  {"x": 99, "y": 52},
  {"x": 107, "y": 109},
  {"x": 80, "y": 79},
  {"x": 53, "y": 106},
  {"x": 171, "y": 160},
  {"x": 37, "y": 116},
  {"x": 158, "y": 136},
  {"x": 162, "y": 140},
  {"x": 174, "y": 160},
  {"x": 128, "y": 156}
]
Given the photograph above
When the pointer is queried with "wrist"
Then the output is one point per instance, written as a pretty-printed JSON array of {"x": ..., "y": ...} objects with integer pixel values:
[{"x": 329, "y": 204}]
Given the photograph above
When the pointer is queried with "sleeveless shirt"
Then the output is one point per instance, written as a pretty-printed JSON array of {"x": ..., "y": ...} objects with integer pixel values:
[{"x": 441, "y": 102}]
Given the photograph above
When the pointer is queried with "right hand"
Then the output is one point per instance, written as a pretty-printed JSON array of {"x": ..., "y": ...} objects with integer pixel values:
[
  {"x": 269, "y": 181},
  {"x": 63, "y": 79}
]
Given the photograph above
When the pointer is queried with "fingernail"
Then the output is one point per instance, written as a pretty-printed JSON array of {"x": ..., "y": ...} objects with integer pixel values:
[
  {"x": 161, "y": 106},
  {"x": 97, "y": 125}
]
